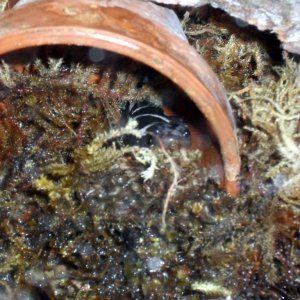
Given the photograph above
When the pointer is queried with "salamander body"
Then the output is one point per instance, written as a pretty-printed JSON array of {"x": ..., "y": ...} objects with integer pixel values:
[{"x": 155, "y": 123}]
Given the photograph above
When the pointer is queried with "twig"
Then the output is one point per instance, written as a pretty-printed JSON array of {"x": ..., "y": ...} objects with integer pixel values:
[
  {"x": 242, "y": 91},
  {"x": 172, "y": 186},
  {"x": 199, "y": 32}
]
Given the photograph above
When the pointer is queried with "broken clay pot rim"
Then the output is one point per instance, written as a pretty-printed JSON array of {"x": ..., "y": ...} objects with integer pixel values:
[{"x": 129, "y": 30}]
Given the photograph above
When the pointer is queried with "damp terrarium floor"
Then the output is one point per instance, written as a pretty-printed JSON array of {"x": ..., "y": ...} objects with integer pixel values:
[{"x": 86, "y": 216}]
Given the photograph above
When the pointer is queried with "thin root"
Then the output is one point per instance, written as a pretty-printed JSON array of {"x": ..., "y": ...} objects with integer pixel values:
[{"x": 173, "y": 185}]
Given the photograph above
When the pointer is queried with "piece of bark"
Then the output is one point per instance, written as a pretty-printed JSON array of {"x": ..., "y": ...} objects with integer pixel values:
[{"x": 279, "y": 16}]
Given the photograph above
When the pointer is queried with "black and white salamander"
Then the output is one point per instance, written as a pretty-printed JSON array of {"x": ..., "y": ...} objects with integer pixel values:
[{"x": 152, "y": 119}]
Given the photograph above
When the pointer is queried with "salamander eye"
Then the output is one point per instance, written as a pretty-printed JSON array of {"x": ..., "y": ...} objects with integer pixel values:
[{"x": 186, "y": 133}]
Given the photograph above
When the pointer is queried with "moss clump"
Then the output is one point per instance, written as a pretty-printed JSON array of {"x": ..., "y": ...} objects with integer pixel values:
[
  {"x": 237, "y": 58},
  {"x": 272, "y": 109}
]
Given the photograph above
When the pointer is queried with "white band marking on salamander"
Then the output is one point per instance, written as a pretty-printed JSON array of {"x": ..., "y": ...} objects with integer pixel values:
[{"x": 153, "y": 115}]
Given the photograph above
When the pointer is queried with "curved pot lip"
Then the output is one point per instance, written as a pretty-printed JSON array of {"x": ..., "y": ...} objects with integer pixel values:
[{"x": 105, "y": 24}]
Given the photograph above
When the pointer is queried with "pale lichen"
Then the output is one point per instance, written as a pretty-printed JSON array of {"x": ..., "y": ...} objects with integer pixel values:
[
  {"x": 53, "y": 68},
  {"x": 146, "y": 156},
  {"x": 273, "y": 109},
  {"x": 211, "y": 289},
  {"x": 7, "y": 75}
]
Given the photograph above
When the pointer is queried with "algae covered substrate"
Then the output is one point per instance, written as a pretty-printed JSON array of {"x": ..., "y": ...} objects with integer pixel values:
[{"x": 85, "y": 216}]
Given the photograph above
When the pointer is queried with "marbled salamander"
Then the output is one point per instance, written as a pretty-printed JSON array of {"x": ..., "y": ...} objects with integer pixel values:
[{"x": 152, "y": 119}]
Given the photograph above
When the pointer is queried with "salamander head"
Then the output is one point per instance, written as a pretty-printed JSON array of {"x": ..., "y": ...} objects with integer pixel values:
[{"x": 174, "y": 131}]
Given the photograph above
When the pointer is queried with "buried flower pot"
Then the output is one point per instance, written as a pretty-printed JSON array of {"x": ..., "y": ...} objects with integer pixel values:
[{"x": 142, "y": 31}]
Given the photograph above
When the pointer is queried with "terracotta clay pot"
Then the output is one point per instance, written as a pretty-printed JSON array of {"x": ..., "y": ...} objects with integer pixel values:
[{"x": 140, "y": 30}]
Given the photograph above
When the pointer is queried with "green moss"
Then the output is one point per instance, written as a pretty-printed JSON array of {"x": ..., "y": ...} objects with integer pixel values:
[{"x": 237, "y": 58}]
